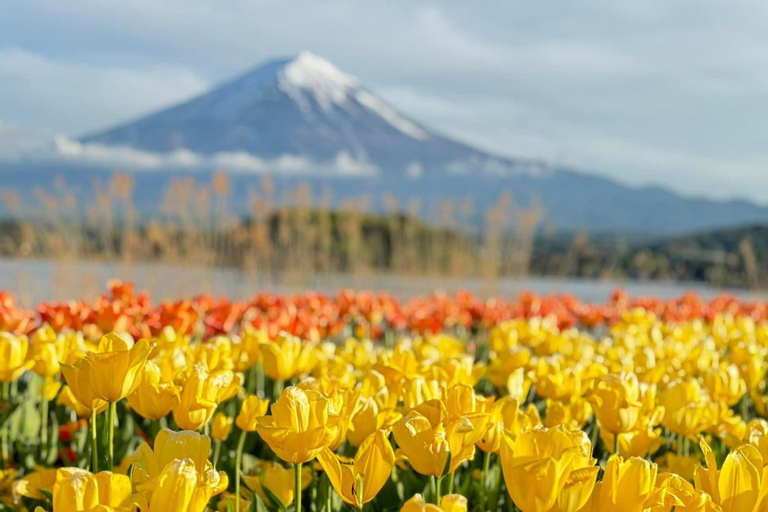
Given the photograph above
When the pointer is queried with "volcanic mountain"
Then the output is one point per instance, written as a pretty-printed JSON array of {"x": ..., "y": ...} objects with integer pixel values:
[
  {"x": 306, "y": 111},
  {"x": 303, "y": 120}
]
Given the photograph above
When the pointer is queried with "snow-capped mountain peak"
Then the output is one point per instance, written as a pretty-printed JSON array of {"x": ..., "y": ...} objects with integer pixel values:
[
  {"x": 310, "y": 74},
  {"x": 302, "y": 107}
]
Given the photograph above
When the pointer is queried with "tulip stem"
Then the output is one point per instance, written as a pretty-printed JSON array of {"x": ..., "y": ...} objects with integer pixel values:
[
  {"x": 44, "y": 423},
  {"x": 260, "y": 391},
  {"x": 433, "y": 486},
  {"x": 745, "y": 407},
  {"x": 94, "y": 443},
  {"x": 277, "y": 388},
  {"x": 216, "y": 453},
  {"x": 328, "y": 494},
  {"x": 6, "y": 412},
  {"x": 297, "y": 492},
  {"x": 439, "y": 492},
  {"x": 449, "y": 489},
  {"x": 111, "y": 419},
  {"x": 238, "y": 464},
  {"x": 486, "y": 468}
]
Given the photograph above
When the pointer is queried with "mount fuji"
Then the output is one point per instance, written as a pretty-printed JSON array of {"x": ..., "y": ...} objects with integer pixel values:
[
  {"x": 303, "y": 114},
  {"x": 303, "y": 120}
]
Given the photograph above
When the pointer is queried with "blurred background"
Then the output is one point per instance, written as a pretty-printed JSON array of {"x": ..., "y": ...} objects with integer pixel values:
[{"x": 234, "y": 146}]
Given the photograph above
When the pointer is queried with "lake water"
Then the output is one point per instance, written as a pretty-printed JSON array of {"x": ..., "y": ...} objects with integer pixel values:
[{"x": 35, "y": 280}]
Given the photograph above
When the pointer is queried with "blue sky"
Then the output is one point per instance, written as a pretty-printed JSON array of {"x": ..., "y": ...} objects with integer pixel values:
[{"x": 669, "y": 92}]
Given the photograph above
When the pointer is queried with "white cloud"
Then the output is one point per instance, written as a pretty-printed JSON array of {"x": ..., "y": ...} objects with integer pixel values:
[
  {"x": 95, "y": 153},
  {"x": 347, "y": 165},
  {"x": 69, "y": 150}
]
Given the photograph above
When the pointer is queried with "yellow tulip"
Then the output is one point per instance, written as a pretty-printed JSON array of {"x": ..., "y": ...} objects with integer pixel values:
[
  {"x": 67, "y": 398},
  {"x": 725, "y": 384},
  {"x": 336, "y": 371},
  {"x": 549, "y": 469},
  {"x": 448, "y": 503},
  {"x": 181, "y": 488},
  {"x": 688, "y": 411},
  {"x": 418, "y": 390},
  {"x": 202, "y": 393},
  {"x": 228, "y": 502},
  {"x": 736, "y": 487},
  {"x": 341, "y": 402},
  {"x": 459, "y": 369},
  {"x": 221, "y": 426},
  {"x": 302, "y": 423},
  {"x": 115, "y": 368},
  {"x": 214, "y": 354},
  {"x": 615, "y": 399},
  {"x": 279, "y": 481},
  {"x": 751, "y": 361},
  {"x": 13, "y": 356},
  {"x": 253, "y": 407},
  {"x": 368, "y": 418},
  {"x": 50, "y": 388},
  {"x": 44, "y": 352},
  {"x": 558, "y": 383},
  {"x": 465, "y": 423},
  {"x": 287, "y": 357},
  {"x": 573, "y": 414},
  {"x": 168, "y": 446},
  {"x": 361, "y": 481},
  {"x": 154, "y": 399},
  {"x": 681, "y": 465},
  {"x": 78, "y": 378},
  {"x": 507, "y": 371},
  {"x": 505, "y": 415},
  {"x": 245, "y": 353},
  {"x": 646, "y": 438},
  {"x": 674, "y": 494},
  {"x": 626, "y": 486},
  {"x": 424, "y": 442},
  {"x": 77, "y": 490},
  {"x": 42, "y": 479}
]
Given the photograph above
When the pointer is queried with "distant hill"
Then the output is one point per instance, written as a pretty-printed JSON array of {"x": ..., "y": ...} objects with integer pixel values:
[{"x": 733, "y": 257}]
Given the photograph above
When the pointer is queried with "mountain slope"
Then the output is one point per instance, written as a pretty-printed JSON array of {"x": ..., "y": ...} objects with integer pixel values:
[{"x": 304, "y": 108}]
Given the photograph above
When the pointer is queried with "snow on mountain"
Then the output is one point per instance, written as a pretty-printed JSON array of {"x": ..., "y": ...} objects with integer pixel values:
[{"x": 303, "y": 108}]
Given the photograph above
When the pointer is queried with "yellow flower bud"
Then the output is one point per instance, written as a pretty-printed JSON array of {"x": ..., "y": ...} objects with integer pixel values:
[
  {"x": 221, "y": 426},
  {"x": 13, "y": 356},
  {"x": 154, "y": 399},
  {"x": 253, "y": 407}
]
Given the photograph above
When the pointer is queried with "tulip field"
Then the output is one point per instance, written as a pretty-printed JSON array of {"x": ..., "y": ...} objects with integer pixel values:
[{"x": 362, "y": 401}]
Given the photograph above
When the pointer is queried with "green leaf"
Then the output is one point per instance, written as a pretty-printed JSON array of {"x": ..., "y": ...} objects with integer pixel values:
[{"x": 24, "y": 423}]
